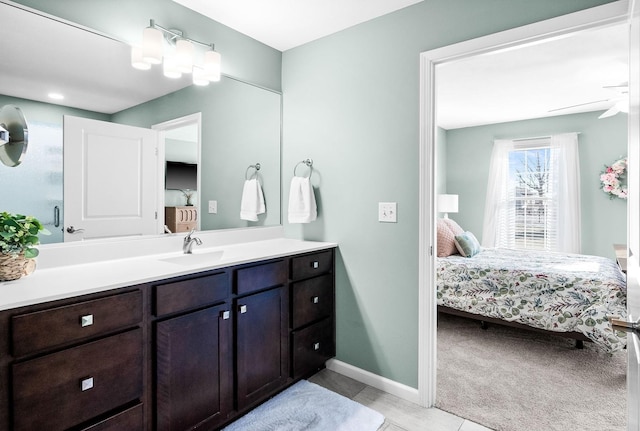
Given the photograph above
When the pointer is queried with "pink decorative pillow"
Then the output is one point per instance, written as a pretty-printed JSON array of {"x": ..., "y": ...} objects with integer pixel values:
[
  {"x": 455, "y": 227},
  {"x": 446, "y": 245}
]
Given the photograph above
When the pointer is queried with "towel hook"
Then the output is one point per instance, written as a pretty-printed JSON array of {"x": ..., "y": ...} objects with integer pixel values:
[
  {"x": 256, "y": 167},
  {"x": 307, "y": 162}
]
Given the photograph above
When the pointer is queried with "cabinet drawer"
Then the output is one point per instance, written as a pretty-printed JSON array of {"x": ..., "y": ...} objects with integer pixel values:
[
  {"x": 187, "y": 294},
  {"x": 311, "y": 347},
  {"x": 312, "y": 299},
  {"x": 41, "y": 330},
  {"x": 66, "y": 388},
  {"x": 131, "y": 420},
  {"x": 261, "y": 277},
  {"x": 311, "y": 264}
]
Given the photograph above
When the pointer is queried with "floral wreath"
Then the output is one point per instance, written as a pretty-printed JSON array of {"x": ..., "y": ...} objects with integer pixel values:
[{"x": 613, "y": 179}]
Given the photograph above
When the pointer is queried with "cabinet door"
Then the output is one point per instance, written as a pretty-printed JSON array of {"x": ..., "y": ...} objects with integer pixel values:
[
  {"x": 262, "y": 356},
  {"x": 194, "y": 369}
]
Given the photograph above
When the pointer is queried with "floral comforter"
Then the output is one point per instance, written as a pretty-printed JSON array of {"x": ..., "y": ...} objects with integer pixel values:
[{"x": 552, "y": 291}]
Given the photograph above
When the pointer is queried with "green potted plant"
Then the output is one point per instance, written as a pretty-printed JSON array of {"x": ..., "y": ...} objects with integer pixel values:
[{"x": 18, "y": 238}]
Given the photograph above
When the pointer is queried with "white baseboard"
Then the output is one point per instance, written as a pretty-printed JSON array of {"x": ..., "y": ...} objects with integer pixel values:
[{"x": 382, "y": 383}]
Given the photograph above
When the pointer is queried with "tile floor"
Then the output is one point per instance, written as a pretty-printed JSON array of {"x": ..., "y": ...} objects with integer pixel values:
[{"x": 400, "y": 415}]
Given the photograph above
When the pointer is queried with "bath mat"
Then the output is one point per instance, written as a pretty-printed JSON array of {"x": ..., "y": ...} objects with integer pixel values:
[{"x": 309, "y": 407}]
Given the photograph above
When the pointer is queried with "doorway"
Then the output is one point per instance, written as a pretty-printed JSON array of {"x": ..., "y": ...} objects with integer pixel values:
[
  {"x": 180, "y": 166},
  {"x": 555, "y": 28}
]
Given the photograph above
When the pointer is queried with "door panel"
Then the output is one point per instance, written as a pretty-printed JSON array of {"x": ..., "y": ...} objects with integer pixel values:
[{"x": 110, "y": 179}]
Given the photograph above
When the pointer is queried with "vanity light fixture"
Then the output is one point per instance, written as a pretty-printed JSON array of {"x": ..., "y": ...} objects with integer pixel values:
[{"x": 177, "y": 56}]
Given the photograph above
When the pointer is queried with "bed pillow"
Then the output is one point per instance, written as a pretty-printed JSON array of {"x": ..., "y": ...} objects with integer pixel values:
[
  {"x": 467, "y": 244},
  {"x": 446, "y": 245},
  {"x": 455, "y": 227}
]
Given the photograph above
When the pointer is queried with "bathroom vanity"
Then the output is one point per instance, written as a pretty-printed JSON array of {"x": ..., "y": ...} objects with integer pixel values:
[{"x": 193, "y": 347}]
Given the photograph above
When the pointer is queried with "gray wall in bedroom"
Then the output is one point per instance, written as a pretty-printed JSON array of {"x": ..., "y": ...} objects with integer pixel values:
[
  {"x": 351, "y": 103},
  {"x": 601, "y": 143}
]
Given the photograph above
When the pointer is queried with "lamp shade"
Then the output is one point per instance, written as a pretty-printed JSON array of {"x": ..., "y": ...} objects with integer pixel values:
[
  {"x": 212, "y": 65},
  {"x": 184, "y": 56},
  {"x": 136, "y": 59},
  {"x": 448, "y": 203},
  {"x": 198, "y": 76},
  {"x": 152, "y": 45}
]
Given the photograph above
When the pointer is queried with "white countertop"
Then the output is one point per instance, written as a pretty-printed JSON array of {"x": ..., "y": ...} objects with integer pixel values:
[{"x": 59, "y": 282}]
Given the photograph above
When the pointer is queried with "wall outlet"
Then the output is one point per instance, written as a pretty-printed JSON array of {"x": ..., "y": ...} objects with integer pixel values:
[
  {"x": 387, "y": 212},
  {"x": 213, "y": 207}
]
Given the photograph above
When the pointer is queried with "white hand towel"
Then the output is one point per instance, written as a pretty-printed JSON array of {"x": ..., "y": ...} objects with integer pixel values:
[
  {"x": 252, "y": 202},
  {"x": 302, "y": 201}
]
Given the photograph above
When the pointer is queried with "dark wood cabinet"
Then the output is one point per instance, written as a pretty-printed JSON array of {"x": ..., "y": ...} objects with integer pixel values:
[
  {"x": 192, "y": 352},
  {"x": 312, "y": 312},
  {"x": 75, "y": 365},
  {"x": 261, "y": 340},
  {"x": 194, "y": 369}
]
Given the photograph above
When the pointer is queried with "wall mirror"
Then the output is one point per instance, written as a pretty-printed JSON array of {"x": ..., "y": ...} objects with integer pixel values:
[{"x": 240, "y": 122}]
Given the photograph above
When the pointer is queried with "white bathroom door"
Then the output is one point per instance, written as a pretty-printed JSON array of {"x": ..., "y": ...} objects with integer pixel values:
[
  {"x": 633, "y": 226},
  {"x": 110, "y": 180}
]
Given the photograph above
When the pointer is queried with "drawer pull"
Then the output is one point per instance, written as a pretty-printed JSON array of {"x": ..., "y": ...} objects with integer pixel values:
[
  {"x": 86, "y": 384},
  {"x": 316, "y": 346},
  {"x": 225, "y": 315},
  {"x": 86, "y": 320},
  {"x": 315, "y": 264},
  {"x": 315, "y": 299},
  {"x": 242, "y": 309}
]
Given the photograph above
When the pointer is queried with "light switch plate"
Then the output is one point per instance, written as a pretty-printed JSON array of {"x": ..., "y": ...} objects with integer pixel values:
[
  {"x": 387, "y": 212},
  {"x": 213, "y": 207}
]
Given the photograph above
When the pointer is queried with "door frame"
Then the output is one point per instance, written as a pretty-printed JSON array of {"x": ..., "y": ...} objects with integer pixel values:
[
  {"x": 601, "y": 16},
  {"x": 187, "y": 120}
]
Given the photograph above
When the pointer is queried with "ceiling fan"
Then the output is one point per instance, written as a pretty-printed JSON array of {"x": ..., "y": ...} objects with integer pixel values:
[{"x": 620, "y": 103}]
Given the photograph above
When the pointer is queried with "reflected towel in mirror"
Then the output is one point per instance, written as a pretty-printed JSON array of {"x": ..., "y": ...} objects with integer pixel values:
[
  {"x": 252, "y": 202},
  {"x": 302, "y": 201}
]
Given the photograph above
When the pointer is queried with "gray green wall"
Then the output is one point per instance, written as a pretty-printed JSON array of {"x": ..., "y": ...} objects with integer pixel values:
[
  {"x": 351, "y": 103},
  {"x": 601, "y": 142}
]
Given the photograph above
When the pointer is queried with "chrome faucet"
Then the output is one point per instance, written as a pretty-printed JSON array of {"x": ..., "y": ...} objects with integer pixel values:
[{"x": 187, "y": 244}]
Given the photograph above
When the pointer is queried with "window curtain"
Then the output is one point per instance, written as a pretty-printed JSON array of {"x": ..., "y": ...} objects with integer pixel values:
[
  {"x": 565, "y": 179},
  {"x": 567, "y": 184}
]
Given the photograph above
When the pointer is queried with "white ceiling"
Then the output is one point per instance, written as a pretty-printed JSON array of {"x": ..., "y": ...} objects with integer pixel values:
[
  {"x": 285, "y": 24},
  {"x": 534, "y": 81}
]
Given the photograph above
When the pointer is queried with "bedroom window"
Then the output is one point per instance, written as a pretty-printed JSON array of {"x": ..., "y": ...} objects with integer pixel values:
[
  {"x": 532, "y": 215},
  {"x": 533, "y": 195}
]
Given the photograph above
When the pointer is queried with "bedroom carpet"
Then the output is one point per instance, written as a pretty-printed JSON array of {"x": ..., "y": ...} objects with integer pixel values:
[
  {"x": 509, "y": 379},
  {"x": 310, "y": 407}
]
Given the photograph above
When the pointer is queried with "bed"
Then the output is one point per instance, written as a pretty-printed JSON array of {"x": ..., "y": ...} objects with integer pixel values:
[{"x": 569, "y": 294}]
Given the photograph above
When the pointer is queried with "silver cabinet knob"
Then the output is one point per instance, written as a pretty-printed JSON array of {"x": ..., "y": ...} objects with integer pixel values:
[
  {"x": 86, "y": 384},
  {"x": 242, "y": 309},
  {"x": 86, "y": 320},
  {"x": 315, "y": 264},
  {"x": 225, "y": 315},
  {"x": 315, "y": 299},
  {"x": 316, "y": 346}
]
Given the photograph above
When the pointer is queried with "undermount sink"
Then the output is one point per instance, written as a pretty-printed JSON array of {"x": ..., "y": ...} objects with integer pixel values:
[{"x": 196, "y": 258}]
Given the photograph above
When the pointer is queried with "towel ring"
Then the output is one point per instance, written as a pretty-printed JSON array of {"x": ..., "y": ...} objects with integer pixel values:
[
  {"x": 307, "y": 162},
  {"x": 256, "y": 167}
]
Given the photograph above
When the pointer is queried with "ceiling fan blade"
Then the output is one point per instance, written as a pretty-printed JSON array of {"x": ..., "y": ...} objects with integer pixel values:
[
  {"x": 610, "y": 112},
  {"x": 580, "y": 104}
]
